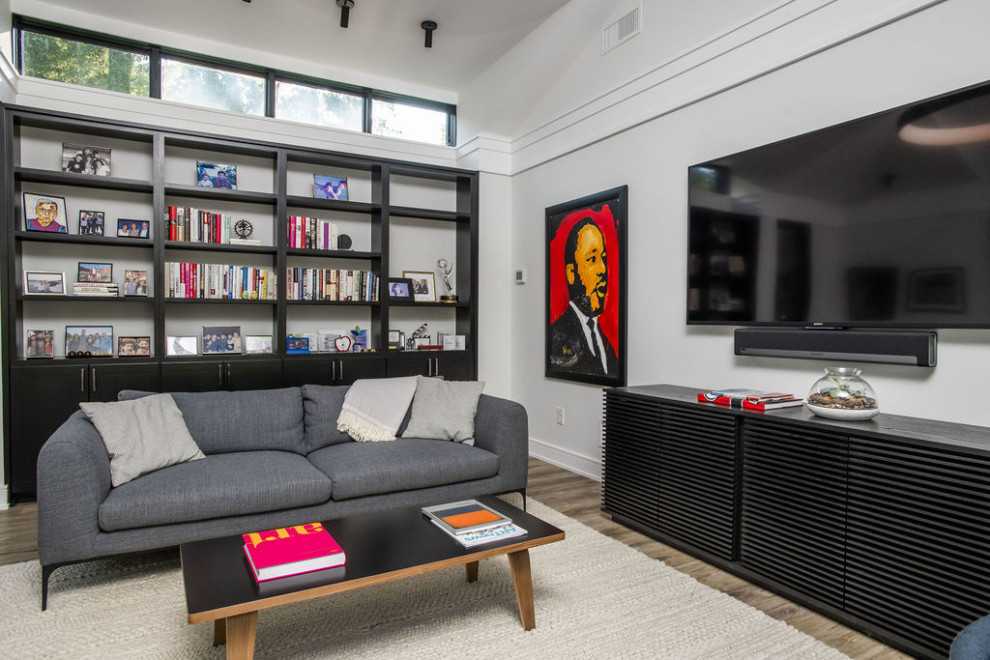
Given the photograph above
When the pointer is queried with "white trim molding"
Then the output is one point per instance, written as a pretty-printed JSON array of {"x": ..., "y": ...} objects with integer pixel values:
[{"x": 567, "y": 459}]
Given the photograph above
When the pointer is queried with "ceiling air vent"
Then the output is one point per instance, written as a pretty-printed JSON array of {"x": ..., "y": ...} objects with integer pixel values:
[{"x": 622, "y": 30}]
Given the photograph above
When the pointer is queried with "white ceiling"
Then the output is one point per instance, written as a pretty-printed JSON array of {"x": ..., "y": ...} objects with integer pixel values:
[{"x": 383, "y": 40}]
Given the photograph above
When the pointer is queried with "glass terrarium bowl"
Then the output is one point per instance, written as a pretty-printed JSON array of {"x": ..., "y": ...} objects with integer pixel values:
[{"x": 842, "y": 394}]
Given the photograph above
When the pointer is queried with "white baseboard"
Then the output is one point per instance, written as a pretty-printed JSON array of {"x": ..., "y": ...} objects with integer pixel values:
[{"x": 567, "y": 459}]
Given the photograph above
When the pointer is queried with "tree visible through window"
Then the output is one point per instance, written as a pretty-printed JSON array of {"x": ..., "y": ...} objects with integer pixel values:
[
  {"x": 212, "y": 88},
  {"x": 81, "y": 63},
  {"x": 322, "y": 107},
  {"x": 412, "y": 122}
]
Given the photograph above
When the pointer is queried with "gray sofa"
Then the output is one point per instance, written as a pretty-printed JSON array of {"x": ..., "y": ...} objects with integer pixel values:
[{"x": 274, "y": 458}]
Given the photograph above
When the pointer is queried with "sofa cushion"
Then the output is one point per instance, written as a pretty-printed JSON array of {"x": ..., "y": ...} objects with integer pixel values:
[
  {"x": 218, "y": 486},
  {"x": 321, "y": 407},
  {"x": 372, "y": 468},
  {"x": 242, "y": 421},
  {"x": 142, "y": 436},
  {"x": 444, "y": 409},
  {"x": 374, "y": 408}
]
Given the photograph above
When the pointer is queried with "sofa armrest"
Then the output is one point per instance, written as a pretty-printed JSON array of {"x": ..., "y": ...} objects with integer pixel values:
[
  {"x": 502, "y": 427},
  {"x": 73, "y": 480}
]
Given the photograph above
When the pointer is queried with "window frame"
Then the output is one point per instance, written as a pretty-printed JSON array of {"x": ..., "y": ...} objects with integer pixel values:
[{"x": 156, "y": 53}]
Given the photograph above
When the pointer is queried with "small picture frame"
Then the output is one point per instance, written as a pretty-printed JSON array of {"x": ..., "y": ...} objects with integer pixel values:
[
  {"x": 133, "y": 346},
  {"x": 216, "y": 175},
  {"x": 221, "y": 339},
  {"x": 129, "y": 228},
  {"x": 83, "y": 159},
  {"x": 181, "y": 345},
  {"x": 88, "y": 341},
  {"x": 44, "y": 283},
  {"x": 423, "y": 285},
  {"x": 329, "y": 187},
  {"x": 45, "y": 213},
  {"x": 258, "y": 344},
  {"x": 39, "y": 344},
  {"x": 135, "y": 283},
  {"x": 400, "y": 288},
  {"x": 91, "y": 223},
  {"x": 396, "y": 340},
  {"x": 94, "y": 272},
  {"x": 297, "y": 344}
]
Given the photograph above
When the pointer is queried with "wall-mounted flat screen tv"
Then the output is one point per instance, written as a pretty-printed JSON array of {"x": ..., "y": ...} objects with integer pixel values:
[{"x": 879, "y": 222}]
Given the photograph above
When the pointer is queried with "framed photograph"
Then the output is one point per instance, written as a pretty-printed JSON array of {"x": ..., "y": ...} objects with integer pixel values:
[
  {"x": 88, "y": 341},
  {"x": 585, "y": 285},
  {"x": 181, "y": 345},
  {"x": 258, "y": 343},
  {"x": 329, "y": 187},
  {"x": 133, "y": 346},
  {"x": 400, "y": 288},
  {"x": 45, "y": 213},
  {"x": 135, "y": 282},
  {"x": 94, "y": 272},
  {"x": 216, "y": 175},
  {"x": 424, "y": 287},
  {"x": 39, "y": 344},
  {"x": 91, "y": 223},
  {"x": 937, "y": 289},
  {"x": 82, "y": 159},
  {"x": 221, "y": 339},
  {"x": 132, "y": 228},
  {"x": 44, "y": 283},
  {"x": 297, "y": 344}
]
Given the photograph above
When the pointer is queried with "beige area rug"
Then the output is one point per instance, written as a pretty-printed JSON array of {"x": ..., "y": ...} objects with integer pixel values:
[{"x": 595, "y": 598}]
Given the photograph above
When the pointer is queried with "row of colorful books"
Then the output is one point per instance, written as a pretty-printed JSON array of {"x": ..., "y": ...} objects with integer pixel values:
[
  {"x": 331, "y": 284},
  {"x": 192, "y": 225},
  {"x": 219, "y": 281},
  {"x": 748, "y": 399},
  {"x": 287, "y": 551},
  {"x": 311, "y": 233}
]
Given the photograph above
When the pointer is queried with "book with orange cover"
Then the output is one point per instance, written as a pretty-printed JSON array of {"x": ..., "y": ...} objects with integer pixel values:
[
  {"x": 465, "y": 517},
  {"x": 288, "y": 551}
]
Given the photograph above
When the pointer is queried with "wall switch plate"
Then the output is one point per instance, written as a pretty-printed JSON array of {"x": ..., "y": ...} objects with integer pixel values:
[{"x": 560, "y": 416}]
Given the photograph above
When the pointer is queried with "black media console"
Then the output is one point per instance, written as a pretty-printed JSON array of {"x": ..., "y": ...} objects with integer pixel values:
[{"x": 883, "y": 525}]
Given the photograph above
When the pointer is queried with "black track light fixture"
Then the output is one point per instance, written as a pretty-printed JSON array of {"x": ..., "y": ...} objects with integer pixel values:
[
  {"x": 429, "y": 27},
  {"x": 345, "y": 11}
]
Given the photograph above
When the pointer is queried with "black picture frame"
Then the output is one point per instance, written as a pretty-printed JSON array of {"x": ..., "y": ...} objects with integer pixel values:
[
  {"x": 400, "y": 288},
  {"x": 91, "y": 223},
  {"x": 221, "y": 340},
  {"x": 89, "y": 341},
  {"x": 92, "y": 271},
  {"x": 596, "y": 224},
  {"x": 131, "y": 228},
  {"x": 134, "y": 346}
]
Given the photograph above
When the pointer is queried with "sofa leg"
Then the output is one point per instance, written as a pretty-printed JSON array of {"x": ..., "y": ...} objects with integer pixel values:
[{"x": 46, "y": 572}]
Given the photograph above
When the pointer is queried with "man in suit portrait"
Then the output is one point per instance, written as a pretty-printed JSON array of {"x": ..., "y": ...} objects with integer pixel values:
[{"x": 576, "y": 340}]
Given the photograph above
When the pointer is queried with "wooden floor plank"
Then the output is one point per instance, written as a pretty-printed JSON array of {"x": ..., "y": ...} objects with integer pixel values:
[{"x": 580, "y": 498}]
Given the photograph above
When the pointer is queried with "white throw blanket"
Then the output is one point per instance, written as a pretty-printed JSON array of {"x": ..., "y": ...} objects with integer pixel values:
[{"x": 374, "y": 408}]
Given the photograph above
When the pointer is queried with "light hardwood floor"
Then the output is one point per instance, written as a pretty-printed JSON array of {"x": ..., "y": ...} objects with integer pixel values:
[{"x": 579, "y": 498}]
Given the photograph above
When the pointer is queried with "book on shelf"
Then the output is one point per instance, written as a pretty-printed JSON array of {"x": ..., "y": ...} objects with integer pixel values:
[
  {"x": 482, "y": 536},
  {"x": 750, "y": 399},
  {"x": 465, "y": 516},
  {"x": 286, "y": 551}
]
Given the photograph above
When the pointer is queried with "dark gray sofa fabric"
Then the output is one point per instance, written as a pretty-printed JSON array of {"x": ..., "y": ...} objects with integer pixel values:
[
  {"x": 220, "y": 485},
  {"x": 359, "y": 469},
  {"x": 164, "y": 508}
]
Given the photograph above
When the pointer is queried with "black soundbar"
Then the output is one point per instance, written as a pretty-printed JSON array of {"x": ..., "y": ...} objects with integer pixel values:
[{"x": 916, "y": 348}]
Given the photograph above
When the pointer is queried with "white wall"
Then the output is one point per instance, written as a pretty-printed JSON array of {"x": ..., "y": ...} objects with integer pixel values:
[{"x": 937, "y": 49}]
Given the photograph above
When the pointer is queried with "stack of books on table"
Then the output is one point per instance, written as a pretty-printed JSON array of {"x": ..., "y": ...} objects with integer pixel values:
[
  {"x": 472, "y": 523},
  {"x": 750, "y": 399},
  {"x": 277, "y": 553},
  {"x": 95, "y": 289}
]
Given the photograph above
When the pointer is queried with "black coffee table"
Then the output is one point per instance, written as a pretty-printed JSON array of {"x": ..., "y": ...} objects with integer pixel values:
[{"x": 380, "y": 546}]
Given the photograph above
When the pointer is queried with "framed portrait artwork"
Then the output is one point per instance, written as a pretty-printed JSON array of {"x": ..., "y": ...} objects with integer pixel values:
[
  {"x": 400, "y": 288},
  {"x": 585, "y": 285},
  {"x": 45, "y": 213},
  {"x": 424, "y": 288},
  {"x": 91, "y": 223},
  {"x": 329, "y": 187}
]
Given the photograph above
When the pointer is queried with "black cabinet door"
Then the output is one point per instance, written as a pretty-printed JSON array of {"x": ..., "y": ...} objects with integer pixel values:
[
  {"x": 193, "y": 376},
  {"x": 342, "y": 369},
  {"x": 452, "y": 365},
  {"x": 250, "y": 374},
  {"x": 105, "y": 381},
  {"x": 352, "y": 367},
  {"x": 41, "y": 399}
]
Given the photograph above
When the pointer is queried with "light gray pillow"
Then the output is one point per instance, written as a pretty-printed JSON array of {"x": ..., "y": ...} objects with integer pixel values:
[
  {"x": 444, "y": 409},
  {"x": 142, "y": 435}
]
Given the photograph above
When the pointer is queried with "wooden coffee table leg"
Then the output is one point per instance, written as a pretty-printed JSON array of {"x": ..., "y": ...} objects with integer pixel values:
[
  {"x": 522, "y": 578},
  {"x": 241, "y": 632},
  {"x": 472, "y": 571}
]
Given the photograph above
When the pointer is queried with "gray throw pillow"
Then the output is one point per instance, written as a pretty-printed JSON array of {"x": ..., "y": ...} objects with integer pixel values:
[
  {"x": 444, "y": 409},
  {"x": 142, "y": 435}
]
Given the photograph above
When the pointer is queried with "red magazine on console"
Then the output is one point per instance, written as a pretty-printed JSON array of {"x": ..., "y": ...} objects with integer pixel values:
[{"x": 287, "y": 551}]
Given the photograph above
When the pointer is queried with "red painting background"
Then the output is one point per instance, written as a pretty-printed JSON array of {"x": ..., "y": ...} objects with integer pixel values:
[{"x": 559, "y": 298}]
